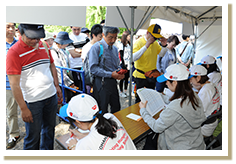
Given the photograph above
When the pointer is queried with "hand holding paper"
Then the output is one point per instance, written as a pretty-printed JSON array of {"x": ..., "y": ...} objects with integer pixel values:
[
  {"x": 155, "y": 102},
  {"x": 143, "y": 105}
]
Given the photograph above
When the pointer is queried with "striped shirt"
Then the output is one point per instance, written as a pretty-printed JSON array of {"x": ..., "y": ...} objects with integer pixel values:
[{"x": 34, "y": 67}]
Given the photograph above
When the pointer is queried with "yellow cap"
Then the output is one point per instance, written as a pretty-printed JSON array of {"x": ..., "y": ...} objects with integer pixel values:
[{"x": 155, "y": 30}]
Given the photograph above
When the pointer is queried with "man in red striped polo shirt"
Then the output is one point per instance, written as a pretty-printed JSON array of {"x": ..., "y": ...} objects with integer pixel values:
[{"x": 34, "y": 83}]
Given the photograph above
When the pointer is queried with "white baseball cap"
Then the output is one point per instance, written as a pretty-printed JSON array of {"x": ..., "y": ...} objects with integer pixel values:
[
  {"x": 82, "y": 107},
  {"x": 48, "y": 35},
  {"x": 208, "y": 60},
  {"x": 198, "y": 70},
  {"x": 177, "y": 72}
]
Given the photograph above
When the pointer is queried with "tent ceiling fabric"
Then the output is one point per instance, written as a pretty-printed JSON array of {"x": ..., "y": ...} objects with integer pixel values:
[
  {"x": 113, "y": 17},
  {"x": 39, "y": 15},
  {"x": 180, "y": 14},
  {"x": 184, "y": 13}
]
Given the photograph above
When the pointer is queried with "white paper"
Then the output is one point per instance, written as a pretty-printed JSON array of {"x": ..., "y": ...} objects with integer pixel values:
[
  {"x": 168, "y": 92},
  {"x": 155, "y": 102},
  {"x": 134, "y": 116}
]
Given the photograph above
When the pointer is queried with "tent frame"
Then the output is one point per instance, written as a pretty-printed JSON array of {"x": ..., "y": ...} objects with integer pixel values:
[{"x": 195, "y": 20}]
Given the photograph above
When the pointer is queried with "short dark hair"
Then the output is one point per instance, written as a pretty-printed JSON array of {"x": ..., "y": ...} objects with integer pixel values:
[
  {"x": 185, "y": 36},
  {"x": 109, "y": 29},
  {"x": 96, "y": 29},
  {"x": 173, "y": 38}
]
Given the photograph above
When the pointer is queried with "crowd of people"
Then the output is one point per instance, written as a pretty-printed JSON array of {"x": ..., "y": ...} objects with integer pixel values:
[{"x": 33, "y": 85}]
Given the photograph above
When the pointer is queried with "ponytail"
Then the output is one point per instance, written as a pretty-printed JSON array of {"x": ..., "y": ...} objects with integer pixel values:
[{"x": 106, "y": 127}]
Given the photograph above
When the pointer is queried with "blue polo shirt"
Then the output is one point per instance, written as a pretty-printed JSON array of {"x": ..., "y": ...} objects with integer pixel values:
[{"x": 8, "y": 46}]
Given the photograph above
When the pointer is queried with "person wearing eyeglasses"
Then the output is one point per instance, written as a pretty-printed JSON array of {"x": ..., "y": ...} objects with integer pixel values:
[{"x": 34, "y": 83}]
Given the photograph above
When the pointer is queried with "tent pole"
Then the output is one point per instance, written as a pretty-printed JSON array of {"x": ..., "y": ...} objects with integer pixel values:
[
  {"x": 131, "y": 53},
  {"x": 207, "y": 28},
  {"x": 206, "y": 12},
  {"x": 195, "y": 39},
  {"x": 145, "y": 19}
]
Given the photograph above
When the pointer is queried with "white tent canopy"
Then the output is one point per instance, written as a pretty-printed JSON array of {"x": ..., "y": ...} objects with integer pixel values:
[
  {"x": 186, "y": 13},
  {"x": 76, "y": 15}
]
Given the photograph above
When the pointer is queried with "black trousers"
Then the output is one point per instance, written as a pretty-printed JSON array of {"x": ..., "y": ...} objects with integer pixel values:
[
  {"x": 77, "y": 79},
  {"x": 151, "y": 141},
  {"x": 126, "y": 79},
  {"x": 106, "y": 92},
  {"x": 140, "y": 83}
]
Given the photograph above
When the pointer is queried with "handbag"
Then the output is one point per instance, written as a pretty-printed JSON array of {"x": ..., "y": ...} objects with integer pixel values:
[{"x": 151, "y": 76}]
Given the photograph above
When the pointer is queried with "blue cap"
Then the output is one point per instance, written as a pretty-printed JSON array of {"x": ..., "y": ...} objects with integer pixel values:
[
  {"x": 199, "y": 63},
  {"x": 161, "y": 78},
  {"x": 63, "y": 111},
  {"x": 190, "y": 76}
]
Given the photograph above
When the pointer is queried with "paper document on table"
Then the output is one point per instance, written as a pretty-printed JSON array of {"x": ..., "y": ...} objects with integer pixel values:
[
  {"x": 155, "y": 102},
  {"x": 134, "y": 116}
]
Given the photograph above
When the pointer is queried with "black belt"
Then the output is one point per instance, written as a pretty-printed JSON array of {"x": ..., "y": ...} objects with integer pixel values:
[{"x": 140, "y": 71}]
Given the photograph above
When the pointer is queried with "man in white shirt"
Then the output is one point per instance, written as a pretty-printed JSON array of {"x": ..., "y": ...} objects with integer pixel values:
[
  {"x": 96, "y": 35},
  {"x": 75, "y": 49}
]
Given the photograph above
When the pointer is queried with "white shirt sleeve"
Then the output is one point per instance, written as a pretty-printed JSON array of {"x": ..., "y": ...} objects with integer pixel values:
[{"x": 139, "y": 53}]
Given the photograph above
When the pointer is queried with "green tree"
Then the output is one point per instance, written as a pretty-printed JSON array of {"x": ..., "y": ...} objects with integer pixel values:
[
  {"x": 94, "y": 15},
  {"x": 57, "y": 29}
]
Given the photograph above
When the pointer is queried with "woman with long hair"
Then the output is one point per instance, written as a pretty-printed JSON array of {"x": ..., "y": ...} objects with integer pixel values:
[
  {"x": 124, "y": 55},
  {"x": 213, "y": 72},
  {"x": 179, "y": 124},
  {"x": 105, "y": 131},
  {"x": 209, "y": 95}
]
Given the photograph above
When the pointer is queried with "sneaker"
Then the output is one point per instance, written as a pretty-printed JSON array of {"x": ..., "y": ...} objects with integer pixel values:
[
  {"x": 12, "y": 142},
  {"x": 122, "y": 94}
]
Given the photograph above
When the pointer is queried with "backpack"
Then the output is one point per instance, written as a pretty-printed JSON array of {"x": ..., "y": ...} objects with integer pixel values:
[{"x": 88, "y": 76}]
